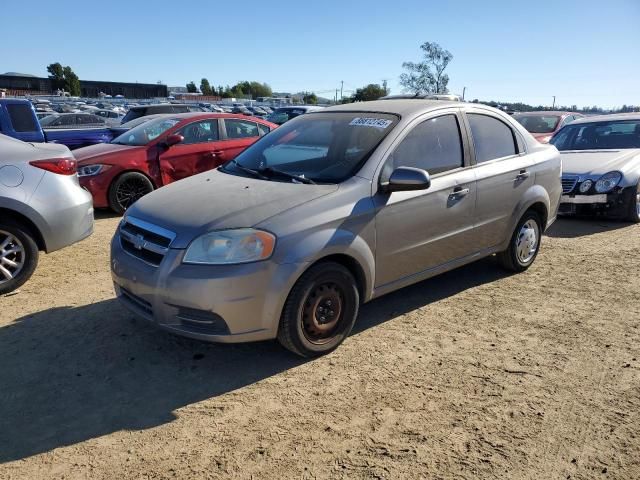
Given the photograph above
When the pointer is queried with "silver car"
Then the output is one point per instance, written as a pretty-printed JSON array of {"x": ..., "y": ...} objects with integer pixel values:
[
  {"x": 42, "y": 206},
  {"x": 601, "y": 158},
  {"x": 333, "y": 209}
]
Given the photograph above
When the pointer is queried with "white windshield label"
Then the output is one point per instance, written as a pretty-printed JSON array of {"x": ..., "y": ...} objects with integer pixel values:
[{"x": 371, "y": 122}]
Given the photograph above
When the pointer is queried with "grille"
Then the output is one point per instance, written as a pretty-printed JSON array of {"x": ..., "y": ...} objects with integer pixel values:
[
  {"x": 136, "y": 301},
  {"x": 569, "y": 183},
  {"x": 145, "y": 241}
]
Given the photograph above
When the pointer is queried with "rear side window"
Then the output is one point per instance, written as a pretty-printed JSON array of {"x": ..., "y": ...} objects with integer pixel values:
[
  {"x": 22, "y": 118},
  {"x": 180, "y": 109},
  {"x": 263, "y": 129},
  {"x": 491, "y": 138},
  {"x": 241, "y": 129},
  {"x": 434, "y": 146}
]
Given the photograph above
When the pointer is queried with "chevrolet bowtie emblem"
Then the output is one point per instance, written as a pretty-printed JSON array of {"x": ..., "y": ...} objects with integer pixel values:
[{"x": 138, "y": 242}]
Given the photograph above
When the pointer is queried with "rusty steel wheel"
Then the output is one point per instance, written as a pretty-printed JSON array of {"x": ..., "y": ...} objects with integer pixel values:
[{"x": 320, "y": 310}]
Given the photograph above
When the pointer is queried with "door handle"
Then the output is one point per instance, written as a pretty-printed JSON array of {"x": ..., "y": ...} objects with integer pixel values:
[
  {"x": 459, "y": 192},
  {"x": 523, "y": 175}
]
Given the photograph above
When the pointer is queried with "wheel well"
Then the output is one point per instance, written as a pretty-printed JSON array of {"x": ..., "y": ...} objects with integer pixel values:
[
  {"x": 354, "y": 268},
  {"x": 541, "y": 209},
  {"x": 132, "y": 171},
  {"x": 22, "y": 220}
]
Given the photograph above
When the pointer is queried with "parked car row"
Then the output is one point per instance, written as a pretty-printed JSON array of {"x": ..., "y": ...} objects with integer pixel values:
[{"x": 309, "y": 219}]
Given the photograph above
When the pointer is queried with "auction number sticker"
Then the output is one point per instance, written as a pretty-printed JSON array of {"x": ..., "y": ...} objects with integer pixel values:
[{"x": 371, "y": 122}]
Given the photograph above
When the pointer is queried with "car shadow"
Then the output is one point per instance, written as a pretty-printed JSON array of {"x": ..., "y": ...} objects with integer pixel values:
[
  {"x": 573, "y": 227},
  {"x": 101, "y": 213},
  {"x": 75, "y": 373}
]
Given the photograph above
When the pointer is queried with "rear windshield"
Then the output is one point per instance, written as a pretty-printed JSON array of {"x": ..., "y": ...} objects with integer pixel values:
[
  {"x": 146, "y": 132},
  {"x": 323, "y": 147},
  {"x": 22, "y": 117},
  {"x": 538, "y": 123},
  {"x": 599, "y": 136},
  {"x": 132, "y": 114}
]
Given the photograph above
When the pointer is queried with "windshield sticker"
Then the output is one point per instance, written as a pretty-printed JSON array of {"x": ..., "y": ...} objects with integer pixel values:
[{"x": 370, "y": 122}]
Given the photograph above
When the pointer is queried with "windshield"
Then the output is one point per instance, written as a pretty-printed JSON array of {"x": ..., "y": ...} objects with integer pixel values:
[
  {"x": 146, "y": 132},
  {"x": 599, "y": 136},
  {"x": 323, "y": 147},
  {"x": 48, "y": 120},
  {"x": 538, "y": 123}
]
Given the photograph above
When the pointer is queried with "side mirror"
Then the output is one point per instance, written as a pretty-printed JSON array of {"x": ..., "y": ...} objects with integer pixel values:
[
  {"x": 405, "y": 179},
  {"x": 173, "y": 140}
]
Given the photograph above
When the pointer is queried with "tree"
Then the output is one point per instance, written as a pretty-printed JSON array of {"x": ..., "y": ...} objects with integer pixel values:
[
  {"x": 255, "y": 89},
  {"x": 428, "y": 77},
  {"x": 191, "y": 87},
  {"x": 309, "y": 98},
  {"x": 205, "y": 87},
  {"x": 71, "y": 82},
  {"x": 56, "y": 74},
  {"x": 373, "y": 91}
]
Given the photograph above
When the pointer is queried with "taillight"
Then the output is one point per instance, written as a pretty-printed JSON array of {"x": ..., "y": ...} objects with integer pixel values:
[{"x": 61, "y": 166}]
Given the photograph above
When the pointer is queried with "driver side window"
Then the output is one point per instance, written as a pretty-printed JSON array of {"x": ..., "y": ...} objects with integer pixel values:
[{"x": 434, "y": 145}]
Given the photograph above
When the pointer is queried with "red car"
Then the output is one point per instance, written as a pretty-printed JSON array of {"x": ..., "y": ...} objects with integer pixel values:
[
  {"x": 543, "y": 125},
  {"x": 162, "y": 151}
]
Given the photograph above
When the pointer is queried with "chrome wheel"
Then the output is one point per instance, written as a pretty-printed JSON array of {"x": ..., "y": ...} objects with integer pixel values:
[
  {"x": 322, "y": 312},
  {"x": 527, "y": 241},
  {"x": 12, "y": 256}
]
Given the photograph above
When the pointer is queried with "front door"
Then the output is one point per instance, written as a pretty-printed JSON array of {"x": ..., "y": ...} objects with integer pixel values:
[
  {"x": 420, "y": 230},
  {"x": 198, "y": 152}
]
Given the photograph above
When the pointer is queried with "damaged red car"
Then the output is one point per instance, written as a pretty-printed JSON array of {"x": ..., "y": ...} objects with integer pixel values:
[{"x": 161, "y": 151}]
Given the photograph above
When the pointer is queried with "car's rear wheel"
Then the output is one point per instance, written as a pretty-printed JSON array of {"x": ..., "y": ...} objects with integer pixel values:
[
  {"x": 320, "y": 311},
  {"x": 633, "y": 214},
  {"x": 524, "y": 244},
  {"x": 18, "y": 256},
  {"x": 127, "y": 189}
]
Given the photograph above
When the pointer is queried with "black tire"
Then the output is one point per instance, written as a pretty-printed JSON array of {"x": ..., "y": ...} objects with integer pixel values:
[
  {"x": 301, "y": 325},
  {"x": 633, "y": 209},
  {"x": 126, "y": 189},
  {"x": 510, "y": 259},
  {"x": 27, "y": 255}
]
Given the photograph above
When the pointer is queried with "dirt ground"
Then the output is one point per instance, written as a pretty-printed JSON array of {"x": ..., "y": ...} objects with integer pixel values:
[{"x": 473, "y": 374}]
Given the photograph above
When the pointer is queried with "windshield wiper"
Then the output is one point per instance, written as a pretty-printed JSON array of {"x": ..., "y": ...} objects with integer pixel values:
[
  {"x": 299, "y": 178},
  {"x": 250, "y": 171}
]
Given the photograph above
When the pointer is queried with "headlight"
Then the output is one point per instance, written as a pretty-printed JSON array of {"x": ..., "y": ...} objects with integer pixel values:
[
  {"x": 91, "y": 170},
  {"x": 226, "y": 247},
  {"x": 585, "y": 186},
  {"x": 608, "y": 181}
]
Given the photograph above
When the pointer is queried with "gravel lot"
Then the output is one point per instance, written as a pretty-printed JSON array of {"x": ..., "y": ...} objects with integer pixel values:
[{"x": 473, "y": 374}]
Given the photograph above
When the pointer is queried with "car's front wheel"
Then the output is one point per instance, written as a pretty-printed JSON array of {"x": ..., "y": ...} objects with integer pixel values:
[
  {"x": 127, "y": 189},
  {"x": 633, "y": 214},
  {"x": 18, "y": 256},
  {"x": 320, "y": 311},
  {"x": 524, "y": 244}
]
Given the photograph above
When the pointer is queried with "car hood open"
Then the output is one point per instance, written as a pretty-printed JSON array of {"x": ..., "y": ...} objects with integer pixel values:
[
  {"x": 597, "y": 162},
  {"x": 217, "y": 201}
]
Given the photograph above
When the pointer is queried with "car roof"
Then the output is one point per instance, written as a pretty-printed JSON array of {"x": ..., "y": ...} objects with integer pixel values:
[
  {"x": 206, "y": 115},
  {"x": 609, "y": 118},
  {"x": 547, "y": 112},
  {"x": 398, "y": 106}
]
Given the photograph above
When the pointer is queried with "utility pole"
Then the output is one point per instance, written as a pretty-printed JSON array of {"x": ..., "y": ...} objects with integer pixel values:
[
  {"x": 464, "y": 89},
  {"x": 554, "y": 102},
  {"x": 384, "y": 85},
  {"x": 341, "y": 86},
  {"x": 336, "y": 95}
]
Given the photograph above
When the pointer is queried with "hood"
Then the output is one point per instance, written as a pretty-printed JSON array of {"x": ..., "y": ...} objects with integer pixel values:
[
  {"x": 216, "y": 201},
  {"x": 89, "y": 154},
  {"x": 598, "y": 162}
]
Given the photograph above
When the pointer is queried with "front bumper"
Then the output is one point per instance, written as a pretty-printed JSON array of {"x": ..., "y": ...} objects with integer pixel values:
[
  {"x": 228, "y": 303},
  {"x": 613, "y": 203}
]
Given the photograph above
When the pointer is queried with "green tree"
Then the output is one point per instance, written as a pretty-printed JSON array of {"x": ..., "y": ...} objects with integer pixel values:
[
  {"x": 71, "y": 82},
  {"x": 191, "y": 87},
  {"x": 255, "y": 89},
  {"x": 373, "y": 91},
  {"x": 309, "y": 98},
  {"x": 56, "y": 74},
  {"x": 205, "y": 87},
  {"x": 427, "y": 76}
]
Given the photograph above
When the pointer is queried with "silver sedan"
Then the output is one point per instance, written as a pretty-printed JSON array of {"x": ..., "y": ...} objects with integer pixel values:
[{"x": 42, "y": 206}]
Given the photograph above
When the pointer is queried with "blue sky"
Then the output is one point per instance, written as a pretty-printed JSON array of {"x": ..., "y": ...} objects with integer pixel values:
[{"x": 584, "y": 52}]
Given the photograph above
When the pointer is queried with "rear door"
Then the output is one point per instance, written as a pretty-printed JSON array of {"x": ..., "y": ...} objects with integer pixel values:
[
  {"x": 198, "y": 152},
  {"x": 238, "y": 135},
  {"x": 503, "y": 174}
]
